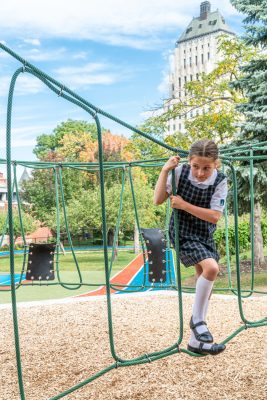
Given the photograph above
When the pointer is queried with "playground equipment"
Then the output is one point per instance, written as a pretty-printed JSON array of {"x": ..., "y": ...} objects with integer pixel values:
[
  {"x": 41, "y": 262},
  {"x": 228, "y": 156}
]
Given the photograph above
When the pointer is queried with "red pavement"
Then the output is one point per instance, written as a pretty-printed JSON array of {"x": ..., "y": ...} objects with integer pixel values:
[{"x": 121, "y": 278}]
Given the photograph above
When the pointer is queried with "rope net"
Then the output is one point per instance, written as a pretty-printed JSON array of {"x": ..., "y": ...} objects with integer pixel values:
[{"x": 230, "y": 157}]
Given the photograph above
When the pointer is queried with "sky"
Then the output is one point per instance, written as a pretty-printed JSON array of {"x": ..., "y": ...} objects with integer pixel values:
[{"x": 114, "y": 53}]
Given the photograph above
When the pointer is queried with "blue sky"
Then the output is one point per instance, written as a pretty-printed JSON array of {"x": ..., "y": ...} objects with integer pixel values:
[{"x": 114, "y": 53}]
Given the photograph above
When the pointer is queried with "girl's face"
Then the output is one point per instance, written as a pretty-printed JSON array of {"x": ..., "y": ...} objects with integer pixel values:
[{"x": 202, "y": 167}]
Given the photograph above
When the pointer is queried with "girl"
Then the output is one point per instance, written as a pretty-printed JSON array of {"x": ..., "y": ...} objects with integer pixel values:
[{"x": 200, "y": 199}]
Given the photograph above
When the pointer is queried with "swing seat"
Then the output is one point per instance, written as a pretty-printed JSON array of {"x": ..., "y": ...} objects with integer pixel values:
[
  {"x": 156, "y": 254},
  {"x": 40, "y": 265}
]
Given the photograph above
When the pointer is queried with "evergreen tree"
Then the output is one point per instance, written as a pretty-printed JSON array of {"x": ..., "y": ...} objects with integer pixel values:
[
  {"x": 254, "y": 126},
  {"x": 253, "y": 81}
]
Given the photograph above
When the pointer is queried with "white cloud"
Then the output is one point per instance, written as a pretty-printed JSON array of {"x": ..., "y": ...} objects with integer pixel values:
[
  {"x": 135, "y": 23},
  {"x": 89, "y": 74},
  {"x": 25, "y": 85},
  {"x": 34, "y": 42},
  {"x": 24, "y": 136},
  {"x": 163, "y": 87},
  {"x": 43, "y": 55},
  {"x": 82, "y": 55}
]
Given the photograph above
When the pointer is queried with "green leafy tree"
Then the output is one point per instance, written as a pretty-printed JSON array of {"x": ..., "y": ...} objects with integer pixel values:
[
  {"x": 211, "y": 99},
  {"x": 29, "y": 224},
  {"x": 145, "y": 149},
  {"x": 84, "y": 213},
  {"x": 50, "y": 143}
]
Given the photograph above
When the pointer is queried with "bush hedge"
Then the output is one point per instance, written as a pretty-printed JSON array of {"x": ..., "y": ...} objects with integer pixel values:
[{"x": 244, "y": 237}]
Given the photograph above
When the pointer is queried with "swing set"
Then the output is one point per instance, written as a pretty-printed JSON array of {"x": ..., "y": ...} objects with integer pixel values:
[{"x": 38, "y": 260}]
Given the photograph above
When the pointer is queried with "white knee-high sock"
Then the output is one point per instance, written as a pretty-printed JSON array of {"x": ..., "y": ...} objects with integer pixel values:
[
  {"x": 200, "y": 308},
  {"x": 203, "y": 289}
]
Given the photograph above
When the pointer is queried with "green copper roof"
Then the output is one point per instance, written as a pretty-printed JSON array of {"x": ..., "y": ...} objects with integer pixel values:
[{"x": 199, "y": 27}]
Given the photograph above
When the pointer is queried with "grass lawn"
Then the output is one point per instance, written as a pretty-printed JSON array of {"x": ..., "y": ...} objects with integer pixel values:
[
  {"x": 92, "y": 269},
  {"x": 91, "y": 265}
]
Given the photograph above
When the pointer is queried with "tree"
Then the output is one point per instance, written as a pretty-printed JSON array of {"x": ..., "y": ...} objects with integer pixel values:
[
  {"x": 29, "y": 224},
  {"x": 254, "y": 127},
  {"x": 84, "y": 213},
  {"x": 209, "y": 106},
  {"x": 49, "y": 143},
  {"x": 145, "y": 149},
  {"x": 71, "y": 141},
  {"x": 210, "y": 99}
]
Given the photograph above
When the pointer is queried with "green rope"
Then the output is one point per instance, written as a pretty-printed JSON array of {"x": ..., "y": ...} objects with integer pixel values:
[
  {"x": 227, "y": 156},
  {"x": 59, "y": 172},
  {"x": 11, "y": 234},
  {"x": 118, "y": 223}
]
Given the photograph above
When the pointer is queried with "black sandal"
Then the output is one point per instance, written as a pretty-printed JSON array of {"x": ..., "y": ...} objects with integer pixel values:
[
  {"x": 205, "y": 337},
  {"x": 214, "y": 350}
]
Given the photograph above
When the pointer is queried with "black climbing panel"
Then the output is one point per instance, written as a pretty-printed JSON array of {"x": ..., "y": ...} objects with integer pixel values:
[
  {"x": 41, "y": 262},
  {"x": 156, "y": 252}
]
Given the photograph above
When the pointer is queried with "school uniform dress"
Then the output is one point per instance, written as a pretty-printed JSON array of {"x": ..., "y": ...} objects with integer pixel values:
[{"x": 196, "y": 241}]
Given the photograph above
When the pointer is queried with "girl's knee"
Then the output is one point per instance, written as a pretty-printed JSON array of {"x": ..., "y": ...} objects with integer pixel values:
[
  {"x": 214, "y": 269},
  {"x": 210, "y": 269}
]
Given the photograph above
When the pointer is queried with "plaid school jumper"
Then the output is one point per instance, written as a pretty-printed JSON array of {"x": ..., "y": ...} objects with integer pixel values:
[{"x": 195, "y": 235}]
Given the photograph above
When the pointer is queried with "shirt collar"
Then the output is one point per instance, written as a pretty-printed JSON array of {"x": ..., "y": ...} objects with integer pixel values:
[{"x": 209, "y": 181}]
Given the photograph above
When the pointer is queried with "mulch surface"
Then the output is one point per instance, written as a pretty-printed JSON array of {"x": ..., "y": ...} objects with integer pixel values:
[{"x": 66, "y": 342}]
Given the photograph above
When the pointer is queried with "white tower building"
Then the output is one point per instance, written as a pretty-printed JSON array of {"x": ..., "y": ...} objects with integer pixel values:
[{"x": 196, "y": 51}]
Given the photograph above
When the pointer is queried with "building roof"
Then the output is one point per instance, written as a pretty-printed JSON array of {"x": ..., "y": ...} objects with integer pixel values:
[
  {"x": 24, "y": 177},
  {"x": 212, "y": 22}
]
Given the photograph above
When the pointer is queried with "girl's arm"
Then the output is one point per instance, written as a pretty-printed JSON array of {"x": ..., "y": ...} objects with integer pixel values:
[
  {"x": 160, "y": 194},
  {"x": 206, "y": 214}
]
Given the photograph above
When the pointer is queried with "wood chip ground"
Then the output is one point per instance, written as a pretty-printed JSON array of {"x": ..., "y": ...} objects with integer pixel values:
[{"x": 63, "y": 343}]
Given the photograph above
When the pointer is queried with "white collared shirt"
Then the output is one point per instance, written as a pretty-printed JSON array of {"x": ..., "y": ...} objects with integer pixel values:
[{"x": 219, "y": 196}]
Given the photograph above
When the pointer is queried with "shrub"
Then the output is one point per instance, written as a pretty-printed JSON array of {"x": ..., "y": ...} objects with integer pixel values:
[{"x": 243, "y": 237}]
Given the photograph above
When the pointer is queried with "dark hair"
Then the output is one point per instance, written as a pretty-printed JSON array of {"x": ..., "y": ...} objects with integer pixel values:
[{"x": 204, "y": 148}]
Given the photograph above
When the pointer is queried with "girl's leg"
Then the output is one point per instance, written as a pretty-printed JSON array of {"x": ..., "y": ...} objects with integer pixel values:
[
  {"x": 204, "y": 286},
  {"x": 199, "y": 270},
  {"x": 206, "y": 271},
  {"x": 200, "y": 308}
]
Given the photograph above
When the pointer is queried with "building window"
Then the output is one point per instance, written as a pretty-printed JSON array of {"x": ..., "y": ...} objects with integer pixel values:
[
  {"x": 174, "y": 127},
  {"x": 179, "y": 94},
  {"x": 196, "y": 48},
  {"x": 191, "y": 114},
  {"x": 179, "y": 79},
  {"x": 184, "y": 51},
  {"x": 190, "y": 49},
  {"x": 180, "y": 127},
  {"x": 202, "y": 58},
  {"x": 184, "y": 62},
  {"x": 200, "y": 25},
  {"x": 196, "y": 60},
  {"x": 197, "y": 76},
  {"x": 190, "y": 61},
  {"x": 191, "y": 78},
  {"x": 208, "y": 55},
  {"x": 202, "y": 46},
  {"x": 208, "y": 45},
  {"x": 185, "y": 79}
]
